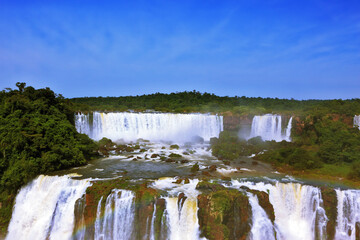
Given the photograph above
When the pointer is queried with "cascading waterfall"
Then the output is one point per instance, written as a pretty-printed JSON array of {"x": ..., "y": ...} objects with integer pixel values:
[
  {"x": 182, "y": 220},
  {"x": 44, "y": 209},
  {"x": 298, "y": 210},
  {"x": 150, "y": 126},
  {"x": 357, "y": 121},
  {"x": 117, "y": 222},
  {"x": 348, "y": 218},
  {"x": 262, "y": 227},
  {"x": 269, "y": 127}
]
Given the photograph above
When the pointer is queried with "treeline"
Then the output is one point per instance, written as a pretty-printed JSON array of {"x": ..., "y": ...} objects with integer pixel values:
[
  {"x": 37, "y": 136},
  {"x": 194, "y": 101}
]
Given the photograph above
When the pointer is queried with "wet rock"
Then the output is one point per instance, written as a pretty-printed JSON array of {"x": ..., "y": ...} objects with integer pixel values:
[
  {"x": 206, "y": 173},
  {"x": 207, "y": 187},
  {"x": 169, "y": 160},
  {"x": 330, "y": 205},
  {"x": 134, "y": 159},
  {"x": 226, "y": 162},
  {"x": 181, "y": 200},
  {"x": 139, "y": 157},
  {"x": 143, "y": 150},
  {"x": 174, "y": 146},
  {"x": 225, "y": 178},
  {"x": 212, "y": 168},
  {"x": 154, "y": 155},
  {"x": 254, "y": 163},
  {"x": 175, "y": 155},
  {"x": 264, "y": 202},
  {"x": 184, "y": 161},
  {"x": 224, "y": 214},
  {"x": 129, "y": 149},
  {"x": 195, "y": 168}
]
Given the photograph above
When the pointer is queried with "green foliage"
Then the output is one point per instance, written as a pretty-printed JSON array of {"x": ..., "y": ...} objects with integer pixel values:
[
  {"x": 355, "y": 171},
  {"x": 230, "y": 146},
  {"x": 193, "y": 101},
  {"x": 37, "y": 136},
  {"x": 295, "y": 156}
]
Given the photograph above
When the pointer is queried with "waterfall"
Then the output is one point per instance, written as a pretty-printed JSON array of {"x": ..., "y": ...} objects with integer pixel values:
[
  {"x": 150, "y": 126},
  {"x": 357, "y": 121},
  {"x": 44, "y": 209},
  {"x": 262, "y": 227},
  {"x": 348, "y": 218},
  {"x": 269, "y": 127},
  {"x": 182, "y": 220},
  {"x": 298, "y": 209},
  {"x": 117, "y": 222}
]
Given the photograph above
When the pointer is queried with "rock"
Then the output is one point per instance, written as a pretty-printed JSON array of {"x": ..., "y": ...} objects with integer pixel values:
[
  {"x": 212, "y": 168},
  {"x": 224, "y": 214},
  {"x": 330, "y": 205},
  {"x": 195, "y": 167},
  {"x": 175, "y": 155},
  {"x": 181, "y": 200},
  {"x": 206, "y": 173},
  {"x": 142, "y": 150},
  {"x": 139, "y": 157},
  {"x": 154, "y": 155},
  {"x": 226, "y": 162},
  {"x": 184, "y": 161},
  {"x": 174, "y": 146},
  {"x": 129, "y": 149},
  {"x": 170, "y": 160},
  {"x": 134, "y": 159},
  {"x": 254, "y": 163},
  {"x": 206, "y": 186},
  {"x": 225, "y": 178},
  {"x": 264, "y": 202}
]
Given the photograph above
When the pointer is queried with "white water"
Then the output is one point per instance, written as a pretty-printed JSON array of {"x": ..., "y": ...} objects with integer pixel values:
[
  {"x": 357, "y": 121},
  {"x": 44, "y": 209},
  {"x": 298, "y": 210},
  {"x": 348, "y": 213},
  {"x": 117, "y": 222},
  {"x": 150, "y": 126},
  {"x": 269, "y": 127},
  {"x": 182, "y": 220},
  {"x": 262, "y": 227}
]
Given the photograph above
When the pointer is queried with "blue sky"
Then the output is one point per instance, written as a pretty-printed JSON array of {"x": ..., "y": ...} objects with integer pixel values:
[{"x": 287, "y": 49}]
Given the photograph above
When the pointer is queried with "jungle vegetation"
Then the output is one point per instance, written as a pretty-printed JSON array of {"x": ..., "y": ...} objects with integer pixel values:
[
  {"x": 37, "y": 136},
  {"x": 194, "y": 101}
]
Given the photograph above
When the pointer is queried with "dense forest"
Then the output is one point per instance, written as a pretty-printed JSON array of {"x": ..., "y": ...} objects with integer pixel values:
[
  {"x": 194, "y": 101},
  {"x": 37, "y": 136}
]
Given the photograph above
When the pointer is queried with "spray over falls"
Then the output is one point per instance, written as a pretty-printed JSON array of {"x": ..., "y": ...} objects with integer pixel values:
[
  {"x": 150, "y": 126},
  {"x": 270, "y": 127}
]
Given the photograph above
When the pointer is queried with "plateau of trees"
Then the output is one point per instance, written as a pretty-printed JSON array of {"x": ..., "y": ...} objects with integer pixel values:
[
  {"x": 194, "y": 101},
  {"x": 37, "y": 136}
]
